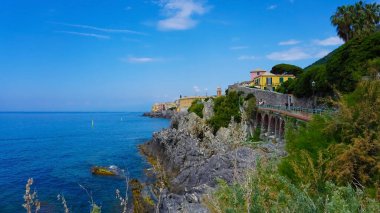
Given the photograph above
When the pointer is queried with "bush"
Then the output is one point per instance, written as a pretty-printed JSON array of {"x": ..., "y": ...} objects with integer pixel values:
[
  {"x": 265, "y": 190},
  {"x": 225, "y": 107},
  {"x": 197, "y": 107},
  {"x": 251, "y": 107},
  {"x": 356, "y": 158}
]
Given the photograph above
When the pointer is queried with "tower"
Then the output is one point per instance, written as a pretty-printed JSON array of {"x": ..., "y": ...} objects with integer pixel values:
[{"x": 218, "y": 92}]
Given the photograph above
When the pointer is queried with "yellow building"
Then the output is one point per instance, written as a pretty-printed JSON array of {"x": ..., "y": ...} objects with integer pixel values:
[
  {"x": 269, "y": 81},
  {"x": 185, "y": 102}
]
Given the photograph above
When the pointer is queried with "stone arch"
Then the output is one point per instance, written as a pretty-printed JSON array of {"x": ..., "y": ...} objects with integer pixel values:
[
  {"x": 277, "y": 127},
  {"x": 259, "y": 119},
  {"x": 264, "y": 127},
  {"x": 272, "y": 125},
  {"x": 282, "y": 129}
]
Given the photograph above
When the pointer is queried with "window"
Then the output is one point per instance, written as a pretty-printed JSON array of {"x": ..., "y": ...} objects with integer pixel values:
[
  {"x": 257, "y": 81},
  {"x": 269, "y": 81}
]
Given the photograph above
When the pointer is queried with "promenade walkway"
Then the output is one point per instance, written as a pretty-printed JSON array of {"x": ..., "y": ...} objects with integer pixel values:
[{"x": 300, "y": 113}]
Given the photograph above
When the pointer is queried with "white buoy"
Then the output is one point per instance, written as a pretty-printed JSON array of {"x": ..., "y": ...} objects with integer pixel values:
[{"x": 92, "y": 123}]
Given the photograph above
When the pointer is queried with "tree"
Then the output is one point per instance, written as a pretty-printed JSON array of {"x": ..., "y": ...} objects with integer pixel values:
[
  {"x": 356, "y": 20},
  {"x": 286, "y": 69}
]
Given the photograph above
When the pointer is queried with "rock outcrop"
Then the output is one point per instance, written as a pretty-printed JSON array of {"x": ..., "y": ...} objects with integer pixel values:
[
  {"x": 193, "y": 159},
  {"x": 161, "y": 114}
]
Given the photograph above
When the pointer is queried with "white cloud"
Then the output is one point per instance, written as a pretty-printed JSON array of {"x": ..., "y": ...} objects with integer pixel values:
[
  {"x": 139, "y": 60},
  {"x": 180, "y": 14},
  {"x": 272, "y": 7},
  {"x": 292, "y": 54},
  {"x": 238, "y": 47},
  {"x": 84, "y": 34},
  {"x": 106, "y": 30},
  {"x": 298, "y": 53},
  {"x": 330, "y": 41},
  {"x": 289, "y": 42},
  {"x": 247, "y": 57},
  {"x": 322, "y": 53},
  {"x": 196, "y": 89}
]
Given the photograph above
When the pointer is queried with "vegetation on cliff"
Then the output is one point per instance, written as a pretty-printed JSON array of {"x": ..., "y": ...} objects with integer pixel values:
[
  {"x": 197, "y": 107},
  {"x": 225, "y": 108},
  {"x": 343, "y": 68},
  {"x": 333, "y": 164}
]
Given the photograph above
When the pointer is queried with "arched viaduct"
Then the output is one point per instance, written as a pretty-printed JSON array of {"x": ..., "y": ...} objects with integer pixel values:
[{"x": 272, "y": 122}]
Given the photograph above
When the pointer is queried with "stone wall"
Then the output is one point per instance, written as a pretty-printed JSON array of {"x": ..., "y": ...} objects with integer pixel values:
[{"x": 273, "y": 98}]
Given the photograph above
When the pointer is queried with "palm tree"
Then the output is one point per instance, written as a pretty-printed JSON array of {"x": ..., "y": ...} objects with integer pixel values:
[
  {"x": 342, "y": 20},
  {"x": 356, "y": 20}
]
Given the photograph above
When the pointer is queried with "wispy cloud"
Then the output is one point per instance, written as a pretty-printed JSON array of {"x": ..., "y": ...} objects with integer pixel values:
[
  {"x": 239, "y": 47},
  {"x": 298, "y": 53},
  {"x": 292, "y": 54},
  {"x": 272, "y": 7},
  {"x": 330, "y": 41},
  {"x": 247, "y": 57},
  {"x": 196, "y": 89},
  {"x": 289, "y": 42},
  {"x": 139, "y": 60},
  {"x": 84, "y": 34},
  {"x": 180, "y": 14},
  {"x": 106, "y": 30},
  {"x": 322, "y": 53}
]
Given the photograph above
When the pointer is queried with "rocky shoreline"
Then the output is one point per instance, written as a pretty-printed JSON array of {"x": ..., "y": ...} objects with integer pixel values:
[
  {"x": 167, "y": 114},
  {"x": 190, "y": 159}
]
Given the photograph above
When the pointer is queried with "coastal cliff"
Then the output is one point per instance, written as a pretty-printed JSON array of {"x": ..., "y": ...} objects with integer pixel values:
[
  {"x": 192, "y": 158},
  {"x": 160, "y": 114}
]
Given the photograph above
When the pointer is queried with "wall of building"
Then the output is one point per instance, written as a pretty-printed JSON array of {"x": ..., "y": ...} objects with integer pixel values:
[
  {"x": 263, "y": 84},
  {"x": 185, "y": 102},
  {"x": 254, "y": 74}
]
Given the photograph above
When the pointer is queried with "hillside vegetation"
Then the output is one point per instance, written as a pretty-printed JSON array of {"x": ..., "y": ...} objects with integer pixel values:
[
  {"x": 333, "y": 161},
  {"x": 333, "y": 165},
  {"x": 342, "y": 69}
]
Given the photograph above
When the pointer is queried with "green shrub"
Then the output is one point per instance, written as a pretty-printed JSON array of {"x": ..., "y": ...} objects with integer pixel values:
[
  {"x": 251, "y": 108},
  {"x": 265, "y": 190},
  {"x": 225, "y": 107},
  {"x": 256, "y": 135},
  {"x": 197, "y": 107}
]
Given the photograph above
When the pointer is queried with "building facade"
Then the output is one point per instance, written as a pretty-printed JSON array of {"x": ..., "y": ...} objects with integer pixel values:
[
  {"x": 257, "y": 72},
  {"x": 158, "y": 107},
  {"x": 269, "y": 81},
  {"x": 185, "y": 102}
]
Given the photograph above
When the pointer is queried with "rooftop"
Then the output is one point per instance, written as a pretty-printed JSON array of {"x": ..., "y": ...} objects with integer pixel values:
[{"x": 258, "y": 70}]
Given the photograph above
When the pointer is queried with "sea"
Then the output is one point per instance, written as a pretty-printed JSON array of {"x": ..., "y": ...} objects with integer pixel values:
[{"x": 58, "y": 150}]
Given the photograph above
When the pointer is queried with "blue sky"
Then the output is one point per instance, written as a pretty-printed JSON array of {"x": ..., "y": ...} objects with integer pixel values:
[{"x": 123, "y": 55}]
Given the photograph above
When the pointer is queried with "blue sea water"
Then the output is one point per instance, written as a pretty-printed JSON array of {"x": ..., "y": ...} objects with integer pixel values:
[{"x": 58, "y": 150}]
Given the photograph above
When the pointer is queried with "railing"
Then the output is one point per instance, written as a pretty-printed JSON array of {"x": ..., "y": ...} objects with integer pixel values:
[{"x": 317, "y": 111}]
